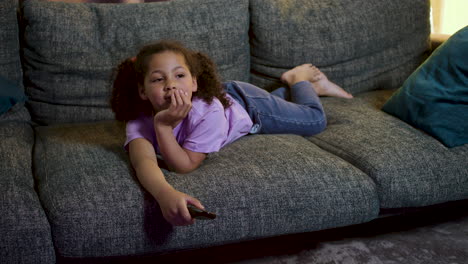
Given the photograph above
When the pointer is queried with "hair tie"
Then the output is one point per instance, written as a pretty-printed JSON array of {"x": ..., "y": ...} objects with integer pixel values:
[{"x": 133, "y": 59}]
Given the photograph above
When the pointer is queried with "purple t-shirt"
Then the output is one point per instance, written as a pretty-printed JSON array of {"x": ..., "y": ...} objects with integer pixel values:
[{"x": 207, "y": 127}]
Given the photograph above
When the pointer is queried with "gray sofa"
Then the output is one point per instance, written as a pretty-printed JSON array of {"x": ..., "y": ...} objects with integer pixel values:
[{"x": 70, "y": 194}]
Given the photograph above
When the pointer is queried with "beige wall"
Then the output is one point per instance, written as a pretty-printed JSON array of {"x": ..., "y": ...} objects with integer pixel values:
[{"x": 448, "y": 16}]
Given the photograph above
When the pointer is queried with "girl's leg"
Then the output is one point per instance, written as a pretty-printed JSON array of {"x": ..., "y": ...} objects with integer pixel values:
[
  {"x": 274, "y": 115},
  {"x": 304, "y": 115},
  {"x": 283, "y": 93}
]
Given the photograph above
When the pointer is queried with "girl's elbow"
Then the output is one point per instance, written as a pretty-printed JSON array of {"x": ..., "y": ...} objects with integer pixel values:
[
  {"x": 183, "y": 170},
  {"x": 186, "y": 169},
  {"x": 194, "y": 161}
]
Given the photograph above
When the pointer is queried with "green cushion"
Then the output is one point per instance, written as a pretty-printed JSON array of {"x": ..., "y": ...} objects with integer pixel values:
[
  {"x": 435, "y": 96},
  {"x": 10, "y": 94}
]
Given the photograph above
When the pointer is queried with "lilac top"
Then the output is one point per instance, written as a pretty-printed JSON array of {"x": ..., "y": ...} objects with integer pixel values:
[{"x": 207, "y": 127}]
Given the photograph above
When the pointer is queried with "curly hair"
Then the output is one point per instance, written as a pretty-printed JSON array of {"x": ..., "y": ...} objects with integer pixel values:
[{"x": 125, "y": 99}]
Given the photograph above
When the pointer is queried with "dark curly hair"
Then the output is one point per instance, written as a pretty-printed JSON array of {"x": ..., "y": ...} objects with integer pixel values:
[{"x": 125, "y": 100}]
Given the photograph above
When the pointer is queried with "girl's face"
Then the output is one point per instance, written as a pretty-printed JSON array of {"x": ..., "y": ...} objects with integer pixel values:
[{"x": 167, "y": 73}]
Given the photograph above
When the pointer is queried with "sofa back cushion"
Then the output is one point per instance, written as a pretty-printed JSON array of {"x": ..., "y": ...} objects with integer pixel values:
[
  {"x": 361, "y": 45},
  {"x": 71, "y": 48},
  {"x": 11, "y": 74},
  {"x": 10, "y": 62}
]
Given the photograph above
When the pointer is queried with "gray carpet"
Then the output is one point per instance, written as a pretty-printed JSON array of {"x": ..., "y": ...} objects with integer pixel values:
[{"x": 435, "y": 235}]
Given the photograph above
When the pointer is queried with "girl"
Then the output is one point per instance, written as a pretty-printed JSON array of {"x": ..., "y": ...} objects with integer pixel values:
[{"x": 175, "y": 105}]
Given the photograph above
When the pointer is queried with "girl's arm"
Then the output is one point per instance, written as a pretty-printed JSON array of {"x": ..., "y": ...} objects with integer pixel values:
[
  {"x": 177, "y": 158},
  {"x": 172, "y": 202}
]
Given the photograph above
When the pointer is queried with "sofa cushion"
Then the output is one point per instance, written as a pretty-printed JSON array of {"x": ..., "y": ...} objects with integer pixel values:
[
  {"x": 10, "y": 94},
  {"x": 71, "y": 48},
  {"x": 259, "y": 186},
  {"x": 361, "y": 45},
  {"x": 10, "y": 62},
  {"x": 24, "y": 227},
  {"x": 410, "y": 167},
  {"x": 18, "y": 113},
  {"x": 25, "y": 231},
  {"x": 435, "y": 96}
]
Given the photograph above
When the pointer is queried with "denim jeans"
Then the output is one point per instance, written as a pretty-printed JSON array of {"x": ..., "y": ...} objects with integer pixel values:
[{"x": 296, "y": 110}]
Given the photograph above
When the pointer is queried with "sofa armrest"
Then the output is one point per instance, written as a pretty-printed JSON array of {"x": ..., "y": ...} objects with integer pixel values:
[{"x": 437, "y": 40}]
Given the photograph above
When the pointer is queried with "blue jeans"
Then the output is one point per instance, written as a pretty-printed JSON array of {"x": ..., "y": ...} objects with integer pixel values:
[{"x": 296, "y": 110}]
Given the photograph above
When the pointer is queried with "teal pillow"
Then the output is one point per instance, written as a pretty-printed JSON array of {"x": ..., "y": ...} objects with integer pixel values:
[
  {"x": 435, "y": 97},
  {"x": 10, "y": 94}
]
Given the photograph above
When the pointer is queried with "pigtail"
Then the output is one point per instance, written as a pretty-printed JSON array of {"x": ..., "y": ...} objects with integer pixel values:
[
  {"x": 125, "y": 100},
  {"x": 209, "y": 81}
]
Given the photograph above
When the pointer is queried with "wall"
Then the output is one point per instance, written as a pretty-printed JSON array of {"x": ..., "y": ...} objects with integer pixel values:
[{"x": 448, "y": 16}]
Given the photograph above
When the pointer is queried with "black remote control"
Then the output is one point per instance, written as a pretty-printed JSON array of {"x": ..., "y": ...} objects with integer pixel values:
[{"x": 199, "y": 213}]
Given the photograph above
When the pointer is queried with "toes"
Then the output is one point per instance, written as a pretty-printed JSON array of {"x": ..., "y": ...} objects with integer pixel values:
[{"x": 315, "y": 78}]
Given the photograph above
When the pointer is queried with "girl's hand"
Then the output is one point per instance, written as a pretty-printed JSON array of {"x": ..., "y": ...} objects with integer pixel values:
[
  {"x": 178, "y": 109},
  {"x": 174, "y": 207}
]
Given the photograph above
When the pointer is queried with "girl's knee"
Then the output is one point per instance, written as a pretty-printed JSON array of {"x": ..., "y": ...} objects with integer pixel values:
[{"x": 317, "y": 127}]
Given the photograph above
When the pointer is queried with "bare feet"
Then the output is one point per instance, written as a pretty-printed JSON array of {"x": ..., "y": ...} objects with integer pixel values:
[{"x": 320, "y": 82}]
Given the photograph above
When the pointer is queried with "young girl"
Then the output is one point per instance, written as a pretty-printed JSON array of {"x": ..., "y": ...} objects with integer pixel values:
[{"x": 175, "y": 106}]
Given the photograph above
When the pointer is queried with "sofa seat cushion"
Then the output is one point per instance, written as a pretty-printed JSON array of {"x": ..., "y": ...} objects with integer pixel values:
[
  {"x": 410, "y": 167},
  {"x": 259, "y": 186},
  {"x": 25, "y": 231},
  {"x": 70, "y": 49},
  {"x": 361, "y": 45}
]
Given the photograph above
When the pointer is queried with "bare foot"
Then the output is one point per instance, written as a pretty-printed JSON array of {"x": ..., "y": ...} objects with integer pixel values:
[
  {"x": 320, "y": 82},
  {"x": 304, "y": 72}
]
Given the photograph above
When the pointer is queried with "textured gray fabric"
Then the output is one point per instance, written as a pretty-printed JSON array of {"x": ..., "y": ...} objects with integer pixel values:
[
  {"x": 361, "y": 45},
  {"x": 17, "y": 113},
  {"x": 432, "y": 236},
  {"x": 24, "y": 229},
  {"x": 70, "y": 49},
  {"x": 10, "y": 63},
  {"x": 260, "y": 186},
  {"x": 409, "y": 167}
]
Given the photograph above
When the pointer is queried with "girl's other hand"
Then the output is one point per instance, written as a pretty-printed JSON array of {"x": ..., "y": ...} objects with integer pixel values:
[
  {"x": 178, "y": 109},
  {"x": 174, "y": 207}
]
